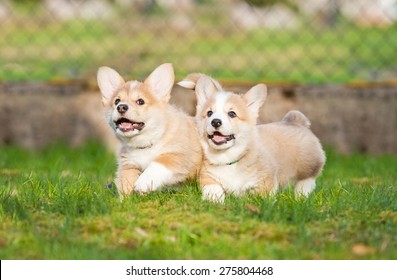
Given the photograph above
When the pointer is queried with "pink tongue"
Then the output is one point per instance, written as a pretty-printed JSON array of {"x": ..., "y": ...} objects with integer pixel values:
[
  {"x": 219, "y": 138},
  {"x": 126, "y": 126}
]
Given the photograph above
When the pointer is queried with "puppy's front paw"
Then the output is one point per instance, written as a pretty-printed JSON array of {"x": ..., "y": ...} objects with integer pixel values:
[
  {"x": 153, "y": 178},
  {"x": 143, "y": 185},
  {"x": 214, "y": 193}
]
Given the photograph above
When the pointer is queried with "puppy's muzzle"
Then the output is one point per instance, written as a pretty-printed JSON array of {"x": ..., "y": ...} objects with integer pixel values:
[{"x": 122, "y": 108}]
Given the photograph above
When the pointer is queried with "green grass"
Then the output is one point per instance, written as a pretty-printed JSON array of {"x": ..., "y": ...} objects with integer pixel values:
[
  {"x": 32, "y": 48},
  {"x": 55, "y": 205}
]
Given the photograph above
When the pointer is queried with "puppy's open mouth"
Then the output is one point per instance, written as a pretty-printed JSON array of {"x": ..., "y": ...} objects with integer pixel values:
[
  {"x": 218, "y": 138},
  {"x": 126, "y": 125}
]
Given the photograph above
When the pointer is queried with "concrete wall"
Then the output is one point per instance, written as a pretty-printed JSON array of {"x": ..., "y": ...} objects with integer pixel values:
[{"x": 349, "y": 119}]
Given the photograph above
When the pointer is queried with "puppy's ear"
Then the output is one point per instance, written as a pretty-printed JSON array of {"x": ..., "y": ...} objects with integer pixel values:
[
  {"x": 161, "y": 81},
  {"x": 109, "y": 81},
  {"x": 255, "y": 98},
  {"x": 205, "y": 87}
]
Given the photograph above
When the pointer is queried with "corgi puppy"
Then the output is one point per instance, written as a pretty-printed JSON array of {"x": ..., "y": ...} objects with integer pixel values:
[
  {"x": 159, "y": 143},
  {"x": 240, "y": 156}
]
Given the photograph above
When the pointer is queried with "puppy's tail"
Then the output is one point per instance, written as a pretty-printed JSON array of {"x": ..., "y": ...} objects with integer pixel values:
[
  {"x": 190, "y": 81},
  {"x": 296, "y": 118}
]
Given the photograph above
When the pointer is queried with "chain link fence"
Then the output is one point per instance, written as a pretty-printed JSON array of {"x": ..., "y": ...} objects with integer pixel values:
[{"x": 303, "y": 41}]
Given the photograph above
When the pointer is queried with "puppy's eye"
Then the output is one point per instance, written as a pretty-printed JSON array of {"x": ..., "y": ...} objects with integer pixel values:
[
  {"x": 117, "y": 101},
  {"x": 209, "y": 113},
  {"x": 140, "y": 101},
  {"x": 232, "y": 114}
]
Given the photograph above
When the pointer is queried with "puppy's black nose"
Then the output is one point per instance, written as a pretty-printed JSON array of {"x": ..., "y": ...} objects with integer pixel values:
[
  {"x": 216, "y": 123},
  {"x": 122, "y": 108}
]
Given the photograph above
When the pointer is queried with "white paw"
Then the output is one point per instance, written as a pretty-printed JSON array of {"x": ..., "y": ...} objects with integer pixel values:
[
  {"x": 153, "y": 178},
  {"x": 305, "y": 187},
  {"x": 214, "y": 193},
  {"x": 143, "y": 185}
]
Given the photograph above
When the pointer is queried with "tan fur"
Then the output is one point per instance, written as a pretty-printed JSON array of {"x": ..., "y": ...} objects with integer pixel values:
[
  {"x": 167, "y": 150},
  {"x": 297, "y": 150},
  {"x": 261, "y": 157},
  {"x": 125, "y": 178}
]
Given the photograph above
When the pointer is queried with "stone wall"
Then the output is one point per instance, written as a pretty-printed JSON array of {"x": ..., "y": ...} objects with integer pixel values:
[{"x": 362, "y": 119}]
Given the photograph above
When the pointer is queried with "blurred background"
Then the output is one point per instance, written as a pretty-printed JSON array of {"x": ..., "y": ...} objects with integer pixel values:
[
  {"x": 334, "y": 60},
  {"x": 296, "y": 41}
]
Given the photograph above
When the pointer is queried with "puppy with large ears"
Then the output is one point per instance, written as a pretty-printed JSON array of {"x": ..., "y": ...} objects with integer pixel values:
[
  {"x": 241, "y": 156},
  {"x": 159, "y": 143}
]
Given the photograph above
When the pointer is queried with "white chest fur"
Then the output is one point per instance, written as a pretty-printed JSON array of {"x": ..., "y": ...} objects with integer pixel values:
[{"x": 140, "y": 158}]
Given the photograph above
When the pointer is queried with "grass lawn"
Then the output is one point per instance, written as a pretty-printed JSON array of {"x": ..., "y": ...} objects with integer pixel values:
[{"x": 55, "y": 205}]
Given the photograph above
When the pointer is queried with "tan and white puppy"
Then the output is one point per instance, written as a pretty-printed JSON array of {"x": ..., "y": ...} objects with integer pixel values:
[
  {"x": 159, "y": 143},
  {"x": 240, "y": 156}
]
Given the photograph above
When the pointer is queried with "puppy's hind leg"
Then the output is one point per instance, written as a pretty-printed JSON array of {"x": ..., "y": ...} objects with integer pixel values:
[{"x": 305, "y": 187}]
